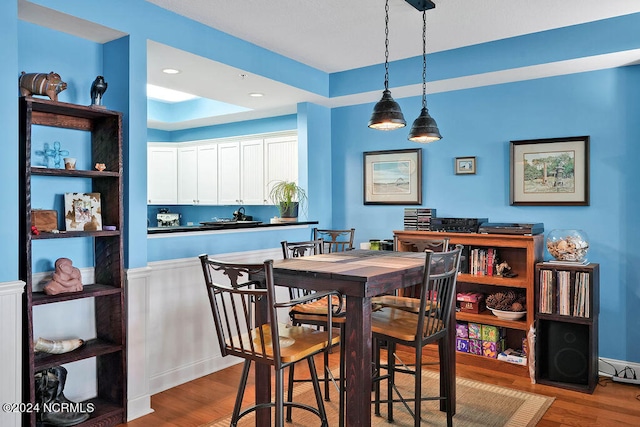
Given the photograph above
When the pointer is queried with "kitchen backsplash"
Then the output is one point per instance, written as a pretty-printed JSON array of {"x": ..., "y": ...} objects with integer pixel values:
[{"x": 197, "y": 214}]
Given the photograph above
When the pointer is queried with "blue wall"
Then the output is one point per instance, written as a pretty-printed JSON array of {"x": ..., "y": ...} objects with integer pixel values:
[
  {"x": 8, "y": 138},
  {"x": 480, "y": 122},
  {"x": 475, "y": 122}
]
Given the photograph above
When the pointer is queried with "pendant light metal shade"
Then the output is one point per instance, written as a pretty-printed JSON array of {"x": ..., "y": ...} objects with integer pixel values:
[
  {"x": 424, "y": 128},
  {"x": 387, "y": 114}
]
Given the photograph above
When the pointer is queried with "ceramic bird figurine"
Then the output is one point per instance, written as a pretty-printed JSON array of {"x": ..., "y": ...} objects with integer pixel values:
[{"x": 98, "y": 88}]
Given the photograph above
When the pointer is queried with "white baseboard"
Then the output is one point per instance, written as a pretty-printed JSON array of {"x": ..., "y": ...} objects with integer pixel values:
[
  {"x": 606, "y": 366},
  {"x": 138, "y": 407},
  {"x": 181, "y": 375}
]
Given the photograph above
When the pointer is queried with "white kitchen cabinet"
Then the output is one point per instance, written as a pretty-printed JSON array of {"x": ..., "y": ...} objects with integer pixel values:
[
  {"x": 280, "y": 161},
  {"x": 232, "y": 171},
  {"x": 252, "y": 172},
  {"x": 188, "y": 175},
  {"x": 241, "y": 172},
  {"x": 197, "y": 174},
  {"x": 229, "y": 173},
  {"x": 162, "y": 174},
  {"x": 208, "y": 174}
]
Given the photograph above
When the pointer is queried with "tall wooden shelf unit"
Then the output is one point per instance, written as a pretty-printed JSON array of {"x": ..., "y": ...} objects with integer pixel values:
[
  {"x": 521, "y": 253},
  {"x": 108, "y": 348},
  {"x": 567, "y": 344}
]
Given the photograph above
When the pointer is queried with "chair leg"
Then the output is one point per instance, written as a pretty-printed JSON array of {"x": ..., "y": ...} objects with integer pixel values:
[
  {"x": 342, "y": 380},
  {"x": 378, "y": 373},
  {"x": 240, "y": 395},
  {"x": 417, "y": 392},
  {"x": 327, "y": 374},
  {"x": 317, "y": 391},
  {"x": 290, "y": 391},
  {"x": 279, "y": 405},
  {"x": 446, "y": 392},
  {"x": 391, "y": 363}
]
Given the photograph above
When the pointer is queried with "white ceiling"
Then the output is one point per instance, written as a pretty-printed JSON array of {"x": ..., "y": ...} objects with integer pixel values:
[
  {"x": 331, "y": 35},
  {"x": 338, "y": 35}
]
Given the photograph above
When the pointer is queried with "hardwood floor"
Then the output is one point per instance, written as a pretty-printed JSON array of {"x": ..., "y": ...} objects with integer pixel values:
[{"x": 211, "y": 397}]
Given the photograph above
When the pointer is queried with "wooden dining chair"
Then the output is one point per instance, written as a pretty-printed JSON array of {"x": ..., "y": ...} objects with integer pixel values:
[
  {"x": 314, "y": 312},
  {"x": 335, "y": 240},
  {"x": 429, "y": 324},
  {"x": 233, "y": 296}
]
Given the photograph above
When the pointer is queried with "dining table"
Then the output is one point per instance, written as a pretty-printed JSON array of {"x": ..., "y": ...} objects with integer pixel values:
[{"x": 359, "y": 275}]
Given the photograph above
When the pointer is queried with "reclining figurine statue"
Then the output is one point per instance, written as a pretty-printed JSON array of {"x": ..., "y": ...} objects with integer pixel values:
[{"x": 66, "y": 278}]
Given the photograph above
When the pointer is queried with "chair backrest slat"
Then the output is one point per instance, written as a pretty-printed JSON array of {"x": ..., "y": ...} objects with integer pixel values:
[
  {"x": 421, "y": 245},
  {"x": 335, "y": 240},
  {"x": 297, "y": 250},
  {"x": 300, "y": 249},
  {"x": 437, "y": 292},
  {"x": 232, "y": 296}
]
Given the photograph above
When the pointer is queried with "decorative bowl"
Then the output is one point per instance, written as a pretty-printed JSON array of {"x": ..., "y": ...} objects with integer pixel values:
[
  {"x": 508, "y": 315},
  {"x": 568, "y": 245}
]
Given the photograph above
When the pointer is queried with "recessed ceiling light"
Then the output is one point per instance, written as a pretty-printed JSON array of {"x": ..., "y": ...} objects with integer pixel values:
[
  {"x": 256, "y": 94},
  {"x": 170, "y": 71}
]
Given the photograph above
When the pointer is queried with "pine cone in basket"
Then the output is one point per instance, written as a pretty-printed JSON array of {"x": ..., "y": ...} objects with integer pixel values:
[{"x": 507, "y": 301}]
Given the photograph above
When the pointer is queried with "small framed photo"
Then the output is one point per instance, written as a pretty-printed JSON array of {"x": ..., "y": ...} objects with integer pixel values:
[
  {"x": 465, "y": 165},
  {"x": 393, "y": 177},
  {"x": 82, "y": 212},
  {"x": 548, "y": 172}
]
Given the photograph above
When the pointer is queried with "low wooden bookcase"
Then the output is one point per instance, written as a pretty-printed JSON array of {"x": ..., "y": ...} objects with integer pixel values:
[
  {"x": 567, "y": 307},
  {"x": 521, "y": 253}
]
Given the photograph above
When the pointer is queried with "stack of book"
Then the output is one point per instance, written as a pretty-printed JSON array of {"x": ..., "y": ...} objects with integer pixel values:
[{"x": 418, "y": 218}]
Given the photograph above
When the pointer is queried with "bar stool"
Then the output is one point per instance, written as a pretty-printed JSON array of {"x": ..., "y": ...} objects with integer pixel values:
[
  {"x": 274, "y": 344},
  {"x": 429, "y": 324}
]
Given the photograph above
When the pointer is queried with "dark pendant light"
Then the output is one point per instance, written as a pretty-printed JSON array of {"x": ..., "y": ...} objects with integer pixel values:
[
  {"x": 387, "y": 114},
  {"x": 424, "y": 128}
]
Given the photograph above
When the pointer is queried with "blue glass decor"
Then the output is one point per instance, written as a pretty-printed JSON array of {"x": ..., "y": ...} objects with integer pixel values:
[{"x": 53, "y": 155}]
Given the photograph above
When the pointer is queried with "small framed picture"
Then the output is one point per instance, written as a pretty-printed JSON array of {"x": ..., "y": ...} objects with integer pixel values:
[
  {"x": 82, "y": 212},
  {"x": 465, "y": 165}
]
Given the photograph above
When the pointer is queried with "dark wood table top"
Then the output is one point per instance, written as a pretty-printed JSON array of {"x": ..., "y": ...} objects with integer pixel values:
[{"x": 362, "y": 273}]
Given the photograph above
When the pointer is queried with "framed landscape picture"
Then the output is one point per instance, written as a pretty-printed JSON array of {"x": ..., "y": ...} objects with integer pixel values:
[
  {"x": 393, "y": 177},
  {"x": 550, "y": 172}
]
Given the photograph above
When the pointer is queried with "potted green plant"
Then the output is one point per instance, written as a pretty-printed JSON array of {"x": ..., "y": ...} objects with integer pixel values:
[{"x": 288, "y": 196}]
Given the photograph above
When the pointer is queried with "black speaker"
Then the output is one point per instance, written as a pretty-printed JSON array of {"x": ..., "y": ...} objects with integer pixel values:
[{"x": 567, "y": 352}]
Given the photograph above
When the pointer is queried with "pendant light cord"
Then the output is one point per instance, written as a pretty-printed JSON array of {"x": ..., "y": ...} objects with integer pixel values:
[
  {"x": 424, "y": 59},
  {"x": 386, "y": 45}
]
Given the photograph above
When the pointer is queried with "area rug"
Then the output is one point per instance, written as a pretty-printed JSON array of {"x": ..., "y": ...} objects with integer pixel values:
[{"x": 478, "y": 404}]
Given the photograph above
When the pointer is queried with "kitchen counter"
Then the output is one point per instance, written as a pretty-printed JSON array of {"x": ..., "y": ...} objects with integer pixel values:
[{"x": 222, "y": 226}]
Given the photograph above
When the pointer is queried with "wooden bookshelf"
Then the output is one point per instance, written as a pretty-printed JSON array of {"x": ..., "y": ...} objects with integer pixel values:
[
  {"x": 521, "y": 253},
  {"x": 107, "y": 345}
]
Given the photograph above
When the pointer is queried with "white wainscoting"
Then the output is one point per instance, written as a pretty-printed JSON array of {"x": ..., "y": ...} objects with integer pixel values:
[
  {"x": 11, "y": 354},
  {"x": 138, "y": 394},
  {"x": 181, "y": 343}
]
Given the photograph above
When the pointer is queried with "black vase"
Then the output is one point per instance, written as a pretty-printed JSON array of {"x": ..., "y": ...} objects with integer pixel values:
[{"x": 289, "y": 210}]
